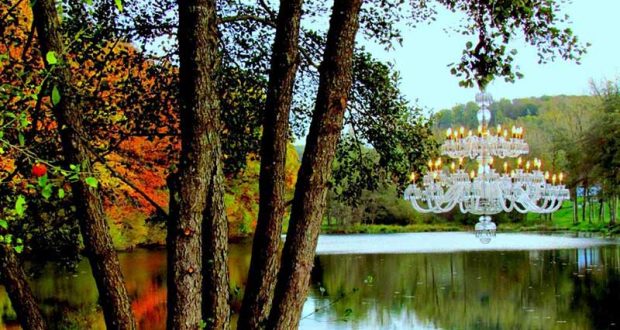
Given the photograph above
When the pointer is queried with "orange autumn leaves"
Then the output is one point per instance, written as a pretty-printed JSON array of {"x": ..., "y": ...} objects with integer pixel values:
[{"x": 132, "y": 124}]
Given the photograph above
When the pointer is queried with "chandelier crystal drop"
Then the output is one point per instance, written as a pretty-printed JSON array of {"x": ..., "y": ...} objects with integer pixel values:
[{"x": 485, "y": 191}]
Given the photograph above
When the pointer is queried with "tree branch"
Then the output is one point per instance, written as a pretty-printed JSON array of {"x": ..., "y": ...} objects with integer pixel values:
[
  {"x": 126, "y": 181},
  {"x": 247, "y": 17}
]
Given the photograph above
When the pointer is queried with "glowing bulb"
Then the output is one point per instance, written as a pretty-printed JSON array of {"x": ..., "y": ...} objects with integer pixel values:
[
  {"x": 519, "y": 162},
  {"x": 561, "y": 177},
  {"x": 505, "y": 167},
  {"x": 449, "y": 133},
  {"x": 527, "y": 165},
  {"x": 438, "y": 163},
  {"x": 430, "y": 164},
  {"x": 554, "y": 178},
  {"x": 412, "y": 177},
  {"x": 453, "y": 166},
  {"x": 537, "y": 163},
  {"x": 472, "y": 174},
  {"x": 547, "y": 175}
]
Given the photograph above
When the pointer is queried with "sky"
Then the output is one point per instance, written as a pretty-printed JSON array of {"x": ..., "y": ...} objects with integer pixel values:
[{"x": 428, "y": 49}]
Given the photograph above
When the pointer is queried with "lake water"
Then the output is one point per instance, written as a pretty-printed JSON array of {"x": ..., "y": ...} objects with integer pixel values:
[{"x": 392, "y": 281}]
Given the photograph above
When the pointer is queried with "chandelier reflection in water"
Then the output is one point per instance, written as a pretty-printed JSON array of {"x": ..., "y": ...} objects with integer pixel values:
[{"x": 522, "y": 185}]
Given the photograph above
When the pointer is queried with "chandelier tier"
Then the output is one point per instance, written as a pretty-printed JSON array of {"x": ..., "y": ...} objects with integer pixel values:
[{"x": 485, "y": 191}]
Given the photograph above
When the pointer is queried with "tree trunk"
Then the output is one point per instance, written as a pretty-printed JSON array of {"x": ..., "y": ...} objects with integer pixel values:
[
  {"x": 216, "y": 292},
  {"x": 266, "y": 247},
  {"x": 197, "y": 230},
  {"x": 14, "y": 280},
  {"x": 614, "y": 207},
  {"x": 601, "y": 210},
  {"x": 311, "y": 188},
  {"x": 584, "y": 201},
  {"x": 95, "y": 232},
  {"x": 575, "y": 211},
  {"x": 590, "y": 209}
]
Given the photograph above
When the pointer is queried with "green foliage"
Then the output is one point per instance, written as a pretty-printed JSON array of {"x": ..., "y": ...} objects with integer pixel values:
[
  {"x": 51, "y": 58},
  {"x": 493, "y": 24},
  {"x": 378, "y": 115},
  {"x": 379, "y": 206},
  {"x": 91, "y": 182},
  {"x": 119, "y": 4},
  {"x": 55, "y": 95},
  {"x": 603, "y": 138}
]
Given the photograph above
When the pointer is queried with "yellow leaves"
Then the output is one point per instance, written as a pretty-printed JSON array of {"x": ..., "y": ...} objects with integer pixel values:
[{"x": 117, "y": 117}]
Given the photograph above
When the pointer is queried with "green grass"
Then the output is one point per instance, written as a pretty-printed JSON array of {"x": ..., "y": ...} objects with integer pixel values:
[
  {"x": 385, "y": 229},
  {"x": 562, "y": 220}
]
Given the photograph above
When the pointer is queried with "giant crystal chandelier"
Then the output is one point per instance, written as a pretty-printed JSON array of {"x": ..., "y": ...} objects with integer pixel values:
[{"x": 524, "y": 187}]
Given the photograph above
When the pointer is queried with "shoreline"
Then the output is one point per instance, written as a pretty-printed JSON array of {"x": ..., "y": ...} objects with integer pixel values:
[{"x": 418, "y": 228}]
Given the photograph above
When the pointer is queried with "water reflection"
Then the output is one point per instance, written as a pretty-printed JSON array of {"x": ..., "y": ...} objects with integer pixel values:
[
  {"x": 574, "y": 289},
  {"x": 567, "y": 289}
]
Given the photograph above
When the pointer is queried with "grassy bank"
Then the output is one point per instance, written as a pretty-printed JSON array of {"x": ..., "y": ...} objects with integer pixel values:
[{"x": 562, "y": 220}]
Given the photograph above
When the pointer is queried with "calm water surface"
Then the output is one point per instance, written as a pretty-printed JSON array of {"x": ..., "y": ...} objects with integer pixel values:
[{"x": 398, "y": 281}]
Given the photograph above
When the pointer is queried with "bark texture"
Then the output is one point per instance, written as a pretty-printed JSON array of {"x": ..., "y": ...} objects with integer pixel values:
[
  {"x": 197, "y": 229},
  {"x": 266, "y": 246},
  {"x": 311, "y": 187},
  {"x": 94, "y": 228},
  {"x": 13, "y": 278}
]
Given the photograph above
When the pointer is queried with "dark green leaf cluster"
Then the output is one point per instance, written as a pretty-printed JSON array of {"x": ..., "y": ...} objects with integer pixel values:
[{"x": 493, "y": 24}]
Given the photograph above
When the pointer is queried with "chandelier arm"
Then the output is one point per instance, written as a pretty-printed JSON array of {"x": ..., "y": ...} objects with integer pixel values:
[{"x": 417, "y": 207}]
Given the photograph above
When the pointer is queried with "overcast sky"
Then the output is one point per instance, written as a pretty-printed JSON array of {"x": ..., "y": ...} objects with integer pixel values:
[{"x": 428, "y": 49}]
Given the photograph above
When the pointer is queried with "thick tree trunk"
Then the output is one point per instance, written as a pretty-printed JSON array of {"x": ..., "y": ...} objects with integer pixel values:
[
  {"x": 311, "y": 188},
  {"x": 197, "y": 231},
  {"x": 95, "y": 232},
  {"x": 13, "y": 278},
  {"x": 266, "y": 247}
]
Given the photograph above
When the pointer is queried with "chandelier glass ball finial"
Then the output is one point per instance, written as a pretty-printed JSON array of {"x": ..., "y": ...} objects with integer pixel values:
[
  {"x": 485, "y": 229},
  {"x": 484, "y": 99},
  {"x": 483, "y": 116},
  {"x": 492, "y": 187}
]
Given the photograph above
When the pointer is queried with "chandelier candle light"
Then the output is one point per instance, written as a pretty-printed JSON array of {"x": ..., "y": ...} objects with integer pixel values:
[{"x": 485, "y": 191}]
